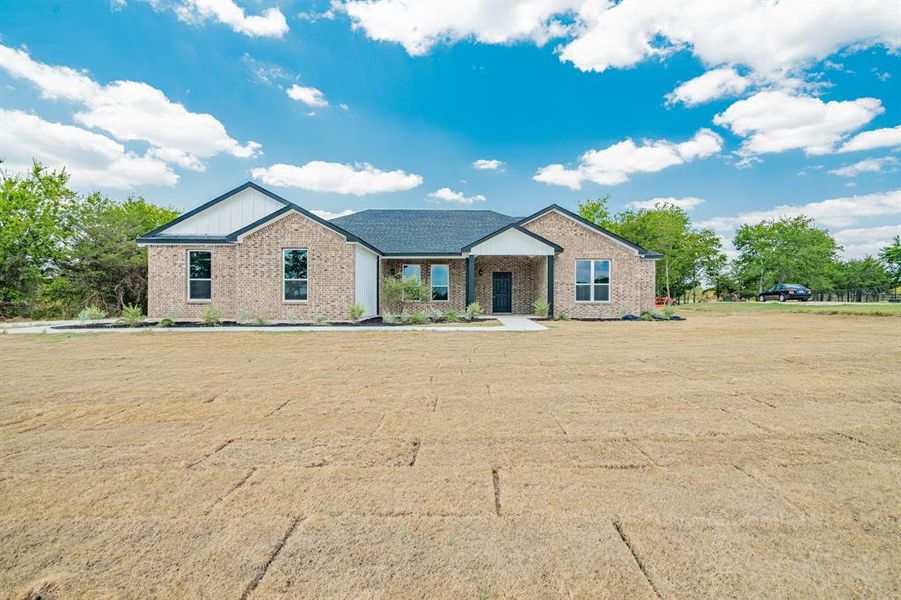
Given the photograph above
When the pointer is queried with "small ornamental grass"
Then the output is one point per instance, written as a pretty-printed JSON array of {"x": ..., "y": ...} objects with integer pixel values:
[
  {"x": 541, "y": 307},
  {"x": 132, "y": 315},
  {"x": 91, "y": 313},
  {"x": 168, "y": 320},
  {"x": 356, "y": 311},
  {"x": 473, "y": 311},
  {"x": 451, "y": 316},
  {"x": 320, "y": 320},
  {"x": 210, "y": 316}
]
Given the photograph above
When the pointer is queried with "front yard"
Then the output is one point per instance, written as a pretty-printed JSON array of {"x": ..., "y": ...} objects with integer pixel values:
[{"x": 727, "y": 455}]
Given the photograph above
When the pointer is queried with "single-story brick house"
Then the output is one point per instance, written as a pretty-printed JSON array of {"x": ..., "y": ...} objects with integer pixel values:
[{"x": 250, "y": 251}]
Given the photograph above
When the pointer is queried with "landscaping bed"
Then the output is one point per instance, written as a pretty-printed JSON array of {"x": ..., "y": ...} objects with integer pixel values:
[{"x": 374, "y": 322}]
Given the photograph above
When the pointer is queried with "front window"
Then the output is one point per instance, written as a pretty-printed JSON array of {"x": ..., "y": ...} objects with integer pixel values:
[
  {"x": 440, "y": 283},
  {"x": 200, "y": 275},
  {"x": 412, "y": 272},
  {"x": 592, "y": 281},
  {"x": 295, "y": 274}
]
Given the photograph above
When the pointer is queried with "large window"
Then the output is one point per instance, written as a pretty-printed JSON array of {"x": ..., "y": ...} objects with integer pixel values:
[
  {"x": 200, "y": 275},
  {"x": 412, "y": 272},
  {"x": 592, "y": 281},
  {"x": 295, "y": 274},
  {"x": 440, "y": 281}
]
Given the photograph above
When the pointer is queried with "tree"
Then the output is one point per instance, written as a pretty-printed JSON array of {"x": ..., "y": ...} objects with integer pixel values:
[
  {"x": 33, "y": 230},
  {"x": 788, "y": 250},
  {"x": 891, "y": 256},
  {"x": 598, "y": 213},
  {"x": 862, "y": 273}
]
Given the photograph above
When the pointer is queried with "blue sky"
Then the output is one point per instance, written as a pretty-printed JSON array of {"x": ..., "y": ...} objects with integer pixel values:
[{"x": 768, "y": 123}]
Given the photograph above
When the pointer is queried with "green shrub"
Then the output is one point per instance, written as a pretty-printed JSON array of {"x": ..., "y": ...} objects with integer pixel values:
[
  {"x": 473, "y": 311},
  {"x": 259, "y": 321},
  {"x": 541, "y": 307},
  {"x": 668, "y": 311},
  {"x": 168, "y": 320},
  {"x": 356, "y": 311},
  {"x": 432, "y": 314},
  {"x": 451, "y": 316},
  {"x": 91, "y": 313},
  {"x": 292, "y": 316},
  {"x": 132, "y": 315},
  {"x": 210, "y": 315},
  {"x": 418, "y": 319},
  {"x": 320, "y": 320},
  {"x": 397, "y": 291},
  {"x": 564, "y": 316},
  {"x": 390, "y": 317},
  {"x": 646, "y": 316}
]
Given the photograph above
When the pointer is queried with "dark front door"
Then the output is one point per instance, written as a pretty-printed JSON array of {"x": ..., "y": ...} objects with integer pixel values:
[{"x": 502, "y": 292}]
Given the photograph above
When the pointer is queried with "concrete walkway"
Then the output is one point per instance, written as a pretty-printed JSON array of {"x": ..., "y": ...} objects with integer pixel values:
[{"x": 508, "y": 323}]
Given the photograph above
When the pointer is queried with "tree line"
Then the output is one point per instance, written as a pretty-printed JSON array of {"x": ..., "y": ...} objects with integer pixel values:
[
  {"x": 787, "y": 250},
  {"x": 61, "y": 251}
]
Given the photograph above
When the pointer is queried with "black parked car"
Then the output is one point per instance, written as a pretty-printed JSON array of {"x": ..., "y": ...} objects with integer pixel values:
[{"x": 785, "y": 291}]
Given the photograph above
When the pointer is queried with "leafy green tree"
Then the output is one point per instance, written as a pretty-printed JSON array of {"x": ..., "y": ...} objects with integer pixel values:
[
  {"x": 891, "y": 256},
  {"x": 788, "y": 250},
  {"x": 33, "y": 230},
  {"x": 598, "y": 212},
  {"x": 866, "y": 272}
]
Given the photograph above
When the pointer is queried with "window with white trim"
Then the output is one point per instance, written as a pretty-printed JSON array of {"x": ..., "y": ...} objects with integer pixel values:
[
  {"x": 294, "y": 261},
  {"x": 592, "y": 281},
  {"x": 440, "y": 282},
  {"x": 412, "y": 272},
  {"x": 200, "y": 275}
]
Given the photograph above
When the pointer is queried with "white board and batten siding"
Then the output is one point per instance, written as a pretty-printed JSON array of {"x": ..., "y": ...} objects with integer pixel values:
[
  {"x": 232, "y": 214},
  {"x": 512, "y": 242},
  {"x": 366, "y": 280}
]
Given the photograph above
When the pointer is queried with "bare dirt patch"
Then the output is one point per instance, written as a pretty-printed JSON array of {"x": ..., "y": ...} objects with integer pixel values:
[{"x": 610, "y": 459}]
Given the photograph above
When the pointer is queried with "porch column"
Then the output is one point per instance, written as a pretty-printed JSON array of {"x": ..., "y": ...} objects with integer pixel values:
[
  {"x": 470, "y": 279},
  {"x": 550, "y": 286}
]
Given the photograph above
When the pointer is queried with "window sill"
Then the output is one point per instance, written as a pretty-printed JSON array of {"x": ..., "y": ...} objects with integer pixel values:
[
  {"x": 295, "y": 301},
  {"x": 200, "y": 301}
]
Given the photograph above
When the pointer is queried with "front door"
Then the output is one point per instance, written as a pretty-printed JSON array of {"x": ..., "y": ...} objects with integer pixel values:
[{"x": 502, "y": 292}]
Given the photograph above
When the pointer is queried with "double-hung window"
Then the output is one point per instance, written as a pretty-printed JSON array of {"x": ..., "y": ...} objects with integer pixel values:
[
  {"x": 440, "y": 282},
  {"x": 294, "y": 261},
  {"x": 592, "y": 281},
  {"x": 200, "y": 275},
  {"x": 412, "y": 272}
]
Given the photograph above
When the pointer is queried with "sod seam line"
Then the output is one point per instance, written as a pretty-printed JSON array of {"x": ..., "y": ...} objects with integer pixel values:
[
  {"x": 643, "y": 453},
  {"x": 496, "y": 481},
  {"x": 218, "y": 448},
  {"x": 773, "y": 491},
  {"x": 275, "y": 552},
  {"x": 644, "y": 571},
  {"x": 280, "y": 406},
  {"x": 557, "y": 421},
  {"x": 230, "y": 491}
]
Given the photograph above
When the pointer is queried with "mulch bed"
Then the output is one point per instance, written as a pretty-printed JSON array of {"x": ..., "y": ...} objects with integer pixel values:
[{"x": 373, "y": 322}]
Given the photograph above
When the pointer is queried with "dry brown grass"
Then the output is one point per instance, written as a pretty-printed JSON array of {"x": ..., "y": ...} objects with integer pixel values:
[{"x": 746, "y": 455}]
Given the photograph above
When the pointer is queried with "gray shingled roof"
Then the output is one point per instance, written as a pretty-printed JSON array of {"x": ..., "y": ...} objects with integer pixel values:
[{"x": 396, "y": 231}]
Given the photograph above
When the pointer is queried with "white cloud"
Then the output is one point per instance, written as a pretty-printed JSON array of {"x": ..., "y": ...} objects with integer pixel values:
[
  {"x": 484, "y": 164},
  {"x": 92, "y": 159},
  {"x": 269, "y": 23},
  {"x": 344, "y": 106},
  {"x": 709, "y": 86},
  {"x": 776, "y": 121},
  {"x": 877, "y": 138},
  {"x": 448, "y": 195},
  {"x": 771, "y": 38},
  {"x": 131, "y": 111},
  {"x": 320, "y": 176},
  {"x": 418, "y": 26},
  {"x": 866, "y": 241},
  {"x": 870, "y": 165},
  {"x": 329, "y": 215},
  {"x": 308, "y": 95},
  {"x": 686, "y": 203},
  {"x": 836, "y": 212},
  {"x": 613, "y": 165}
]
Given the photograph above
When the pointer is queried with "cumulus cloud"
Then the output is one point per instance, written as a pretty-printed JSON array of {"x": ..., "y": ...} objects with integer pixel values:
[
  {"x": 776, "y": 121},
  {"x": 836, "y": 212},
  {"x": 446, "y": 194},
  {"x": 418, "y": 26},
  {"x": 329, "y": 215},
  {"x": 269, "y": 23},
  {"x": 484, "y": 164},
  {"x": 686, "y": 203},
  {"x": 320, "y": 176},
  {"x": 308, "y": 95},
  {"x": 613, "y": 165},
  {"x": 774, "y": 40},
  {"x": 870, "y": 165},
  {"x": 877, "y": 138},
  {"x": 711, "y": 85},
  {"x": 866, "y": 241},
  {"x": 92, "y": 159},
  {"x": 131, "y": 111}
]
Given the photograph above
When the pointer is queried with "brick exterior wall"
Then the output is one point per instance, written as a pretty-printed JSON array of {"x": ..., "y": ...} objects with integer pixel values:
[
  {"x": 632, "y": 278},
  {"x": 248, "y": 276},
  {"x": 525, "y": 270},
  {"x": 456, "y": 299}
]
